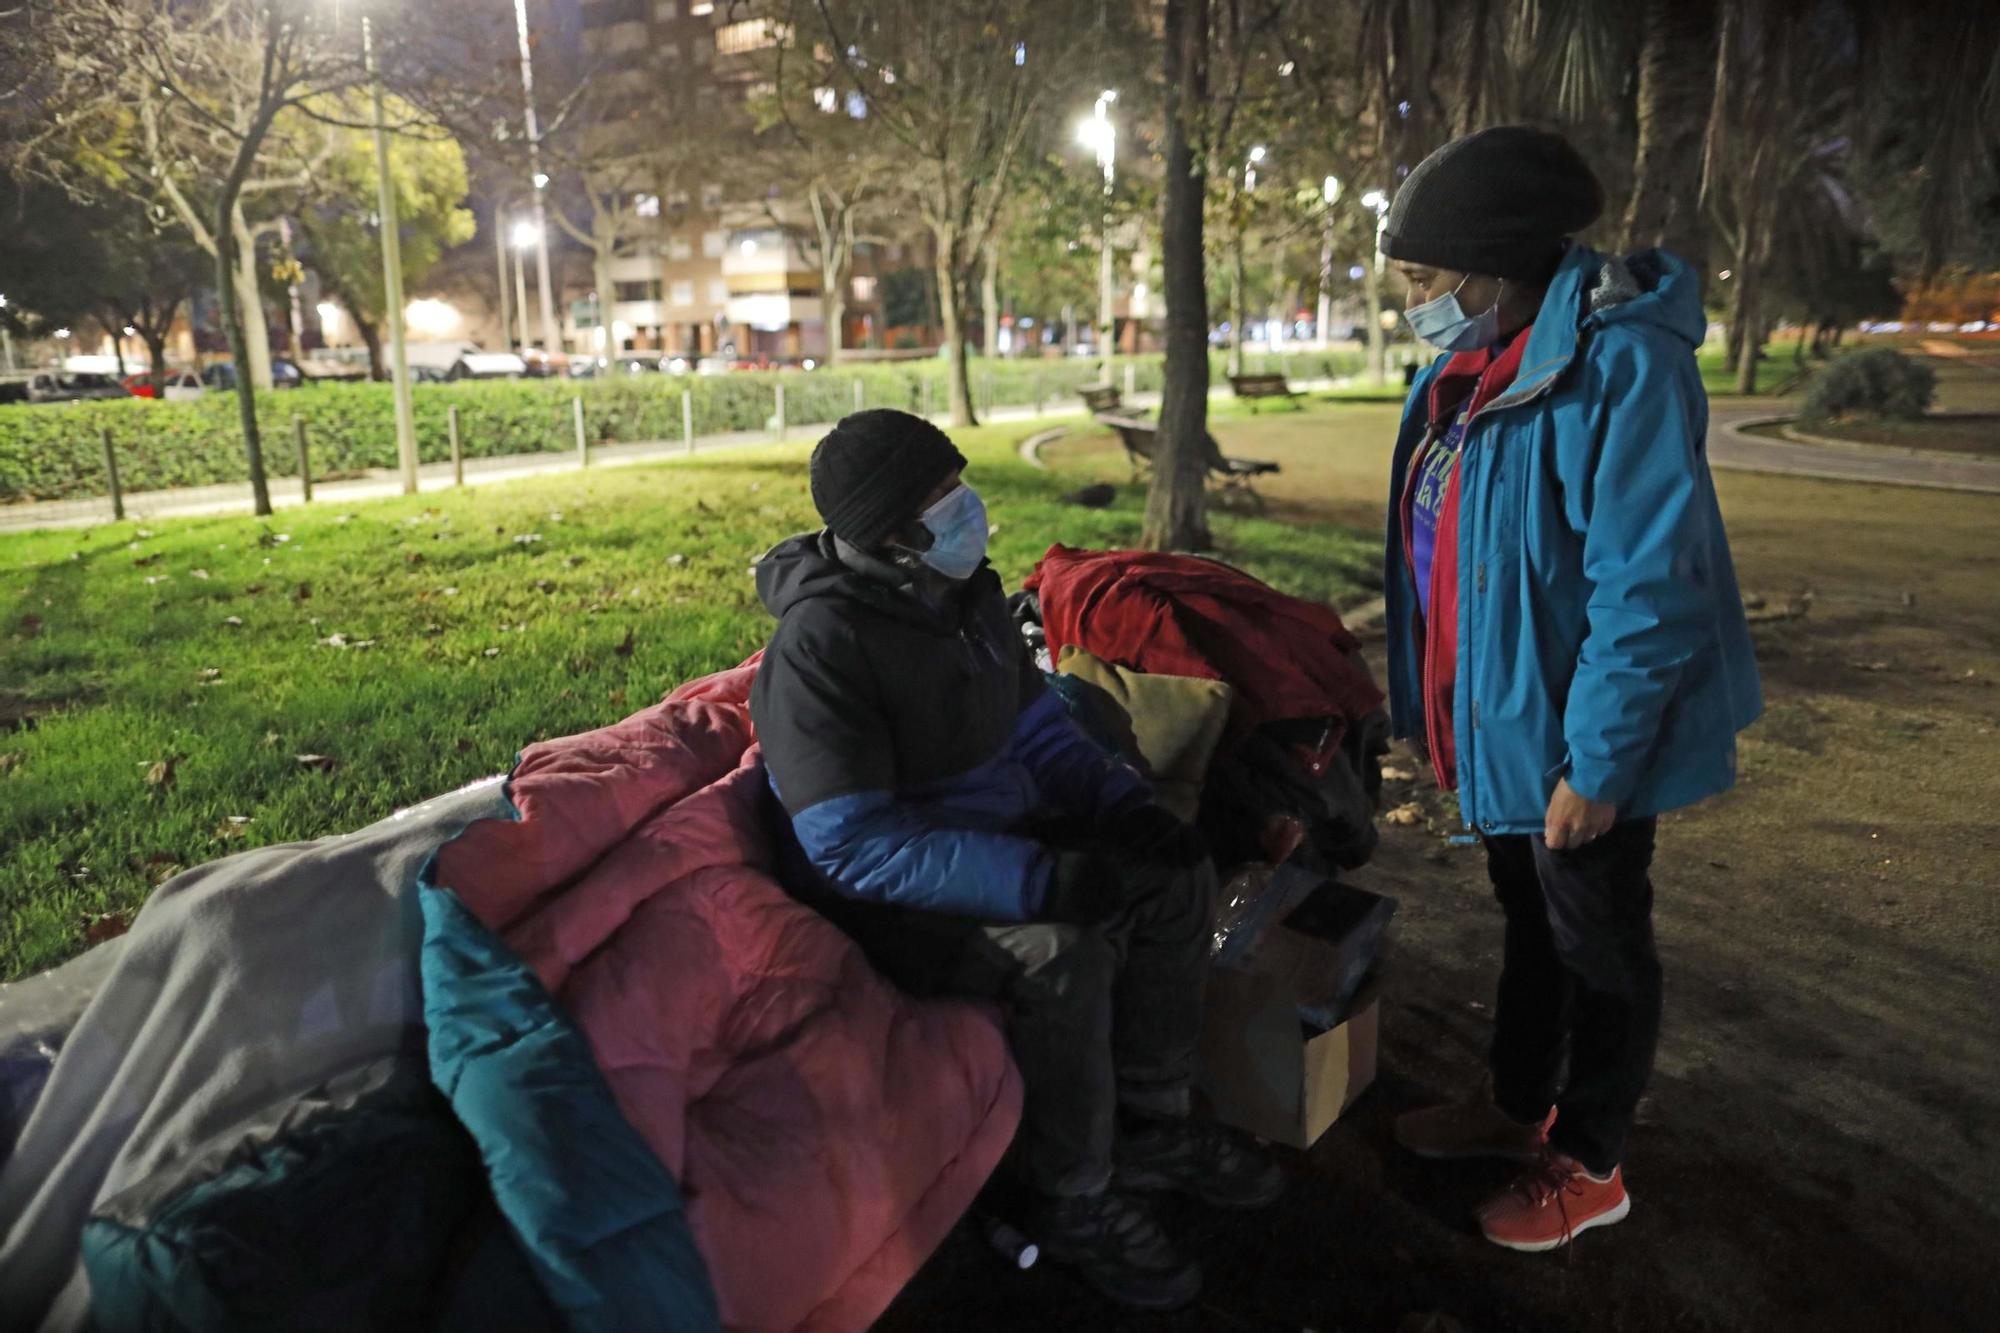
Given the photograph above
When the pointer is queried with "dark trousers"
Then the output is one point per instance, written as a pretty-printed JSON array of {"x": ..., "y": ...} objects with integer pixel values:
[
  {"x": 1098, "y": 1017},
  {"x": 1580, "y": 977}
]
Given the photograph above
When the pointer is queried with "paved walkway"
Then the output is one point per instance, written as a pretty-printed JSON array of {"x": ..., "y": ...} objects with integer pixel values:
[{"x": 1729, "y": 446}]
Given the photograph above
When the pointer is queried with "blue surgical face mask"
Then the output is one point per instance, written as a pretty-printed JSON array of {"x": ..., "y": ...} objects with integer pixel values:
[
  {"x": 1444, "y": 324},
  {"x": 957, "y": 525}
]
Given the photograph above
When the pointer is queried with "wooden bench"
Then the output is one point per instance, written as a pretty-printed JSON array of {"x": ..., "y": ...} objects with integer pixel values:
[
  {"x": 1232, "y": 476},
  {"x": 1255, "y": 387},
  {"x": 1101, "y": 398}
]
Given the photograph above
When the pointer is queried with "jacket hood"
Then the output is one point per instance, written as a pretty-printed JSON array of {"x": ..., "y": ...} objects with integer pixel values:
[{"x": 1650, "y": 287}]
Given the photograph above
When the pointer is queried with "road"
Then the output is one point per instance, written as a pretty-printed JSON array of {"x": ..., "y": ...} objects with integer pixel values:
[{"x": 1730, "y": 447}]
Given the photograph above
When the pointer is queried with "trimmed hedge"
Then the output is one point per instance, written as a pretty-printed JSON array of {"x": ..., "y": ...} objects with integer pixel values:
[
  {"x": 1872, "y": 381},
  {"x": 56, "y": 451}
]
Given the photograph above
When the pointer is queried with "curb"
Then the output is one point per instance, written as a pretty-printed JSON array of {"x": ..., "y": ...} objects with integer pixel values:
[
  {"x": 1785, "y": 432},
  {"x": 1031, "y": 448}
]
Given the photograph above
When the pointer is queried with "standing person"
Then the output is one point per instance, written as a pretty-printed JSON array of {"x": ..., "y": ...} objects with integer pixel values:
[
  {"x": 1566, "y": 640},
  {"x": 954, "y": 821}
]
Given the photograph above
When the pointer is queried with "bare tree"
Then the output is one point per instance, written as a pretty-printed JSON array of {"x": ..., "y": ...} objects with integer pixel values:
[
  {"x": 958, "y": 88},
  {"x": 202, "y": 108}
]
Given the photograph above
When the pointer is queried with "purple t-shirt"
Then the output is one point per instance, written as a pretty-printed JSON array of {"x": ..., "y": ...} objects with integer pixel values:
[{"x": 1434, "y": 471}]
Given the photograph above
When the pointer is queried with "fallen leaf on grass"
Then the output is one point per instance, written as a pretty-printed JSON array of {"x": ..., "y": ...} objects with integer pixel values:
[
  {"x": 109, "y": 926},
  {"x": 303, "y": 593},
  {"x": 10, "y": 761},
  {"x": 209, "y": 674},
  {"x": 198, "y": 574},
  {"x": 233, "y": 622},
  {"x": 152, "y": 579},
  {"x": 572, "y": 560},
  {"x": 493, "y": 652},
  {"x": 526, "y": 538},
  {"x": 32, "y": 625},
  {"x": 253, "y": 589},
  {"x": 233, "y": 826},
  {"x": 414, "y": 558},
  {"x": 161, "y": 773},
  {"x": 624, "y": 648},
  {"x": 617, "y": 696},
  {"x": 677, "y": 560},
  {"x": 146, "y": 560},
  {"x": 542, "y": 585},
  {"x": 342, "y": 641},
  {"x": 273, "y": 738},
  {"x": 1409, "y": 814},
  {"x": 464, "y": 745},
  {"x": 323, "y": 762}
]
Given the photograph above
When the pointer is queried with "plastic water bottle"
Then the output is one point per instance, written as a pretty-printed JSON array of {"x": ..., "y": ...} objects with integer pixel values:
[{"x": 1012, "y": 1246}]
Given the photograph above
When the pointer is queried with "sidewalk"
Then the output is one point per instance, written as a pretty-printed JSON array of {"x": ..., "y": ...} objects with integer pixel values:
[{"x": 383, "y": 483}]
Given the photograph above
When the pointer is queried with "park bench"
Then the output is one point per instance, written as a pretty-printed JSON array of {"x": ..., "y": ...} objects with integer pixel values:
[
  {"x": 1256, "y": 387},
  {"x": 1101, "y": 398},
  {"x": 1232, "y": 476}
]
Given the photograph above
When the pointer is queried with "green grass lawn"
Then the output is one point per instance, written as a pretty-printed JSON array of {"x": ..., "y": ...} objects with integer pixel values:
[{"x": 158, "y": 683}]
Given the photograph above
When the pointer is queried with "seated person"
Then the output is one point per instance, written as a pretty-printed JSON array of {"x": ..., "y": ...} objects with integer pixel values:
[{"x": 957, "y": 824}]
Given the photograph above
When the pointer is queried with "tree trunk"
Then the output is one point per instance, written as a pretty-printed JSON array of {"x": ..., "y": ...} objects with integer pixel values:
[
  {"x": 1752, "y": 343},
  {"x": 601, "y": 255},
  {"x": 1676, "y": 85},
  {"x": 1177, "y": 501},
  {"x": 989, "y": 298},
  {"x": 951, "y": 290},
  {"x": 235, "y": 325},
  {"x": 1378, "y": 345},
  {"x": 371, "y": 338},
  {"x": 1236, "y": 283},
  {"x": 155, "y": 339},
  {"x": 249, "y": 305}
]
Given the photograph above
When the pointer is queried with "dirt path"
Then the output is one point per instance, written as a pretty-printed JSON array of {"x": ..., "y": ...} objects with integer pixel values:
[{"x": 1821, "y": 1145}]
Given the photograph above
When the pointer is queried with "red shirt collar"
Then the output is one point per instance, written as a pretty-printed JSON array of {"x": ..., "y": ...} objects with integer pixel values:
[{"x": 1483, "y": 374}]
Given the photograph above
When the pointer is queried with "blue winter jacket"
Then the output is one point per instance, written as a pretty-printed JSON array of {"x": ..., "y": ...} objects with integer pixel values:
[
  {"x": 1601, "y": 634},
  {"x": 910, "y": 737}
]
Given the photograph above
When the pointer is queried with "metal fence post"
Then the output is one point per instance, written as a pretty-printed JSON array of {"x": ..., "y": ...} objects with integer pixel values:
[
  {"x": 857, "y": 395},
  {"x": 582, "y": 441},
  {"x": 457, "y": 454},
  {"x": 781, "y": 410},
  {"x": 111, "y": 470},
  {"x": 687, "y": 418},
  {"x": 1131, "y": 379},
  {"x": 305, "y": 460},
  {"x": 924, "y": 397}
]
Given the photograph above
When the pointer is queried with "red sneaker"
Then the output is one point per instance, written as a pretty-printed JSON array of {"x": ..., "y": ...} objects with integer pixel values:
[{"x": 1552, "y": 1203}]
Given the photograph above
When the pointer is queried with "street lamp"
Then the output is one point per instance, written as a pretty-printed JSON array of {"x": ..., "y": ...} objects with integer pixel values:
[
  {"x": 1323, "y": 314},
  {"x": 6, "y": 335},
  {"x": 1372, "y": 288},
  {"x": 526, "y": 236},
  {"x": 551, "y": 333},
  {"x": 1100, "y": 134},
  {"x": 392, "y": 270}
]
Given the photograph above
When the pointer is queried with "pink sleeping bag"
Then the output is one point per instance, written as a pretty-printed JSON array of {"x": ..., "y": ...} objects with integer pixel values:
[{"x": 827, "y": 1130}]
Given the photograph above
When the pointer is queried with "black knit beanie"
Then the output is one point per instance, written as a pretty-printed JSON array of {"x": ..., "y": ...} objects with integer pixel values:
[
  {"x": 1500, "y": 202},
  {"x": 873, "y": 469}
]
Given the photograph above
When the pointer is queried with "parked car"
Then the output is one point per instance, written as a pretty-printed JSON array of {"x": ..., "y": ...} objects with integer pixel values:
[
  {"x": 637, "y": 363},
  {"x": 284, "y": 375},
  {"x": 542, "y": 364},
  {"x": 55, "y": 386},
  {"x": 177, "y": 386}
]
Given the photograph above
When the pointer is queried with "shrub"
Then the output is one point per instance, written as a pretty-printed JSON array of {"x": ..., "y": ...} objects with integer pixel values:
[
  {"x": 1873, "y": 381},
  {"x": 55, "y": 451}
]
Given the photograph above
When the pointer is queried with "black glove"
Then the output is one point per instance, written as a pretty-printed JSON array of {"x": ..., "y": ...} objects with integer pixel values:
[
  {"x": 1084, "y": 888},
  {"x": 1157, "y": 834}
]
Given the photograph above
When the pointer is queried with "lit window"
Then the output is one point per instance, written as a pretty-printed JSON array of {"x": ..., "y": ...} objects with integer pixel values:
[
  {"x": 864, "y": 288},
  {"x": 713, "y": 243},
  {"x": 718, "y": 291},
  {"x": 646, "y": 205},
  {"x": 826, "y": 99},
  {"x": 682, "y": 293},
  {"x": 700, "y": 8},
  {"x": 748, "y": 35},
  {"x": 711, "y": 196},
  {"x": 679, "y": 247}
]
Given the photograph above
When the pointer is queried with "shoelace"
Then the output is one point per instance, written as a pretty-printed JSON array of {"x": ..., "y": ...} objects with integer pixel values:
[{"x": 1550, "y": 1179}]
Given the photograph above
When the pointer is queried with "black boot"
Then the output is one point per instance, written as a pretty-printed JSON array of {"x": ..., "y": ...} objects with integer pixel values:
[
  {"x": 1216, "y": 1165},
  {"x": 1116, "y": 1243}
]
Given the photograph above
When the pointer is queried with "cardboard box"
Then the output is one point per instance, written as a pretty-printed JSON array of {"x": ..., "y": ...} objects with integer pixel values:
[{"x": 1262, "y": 1068}]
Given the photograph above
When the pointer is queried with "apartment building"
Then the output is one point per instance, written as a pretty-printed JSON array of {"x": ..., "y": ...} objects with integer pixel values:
[{"x": 708, "y": 270}]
